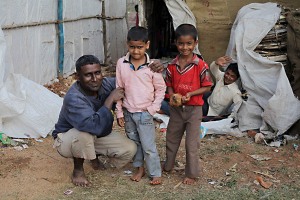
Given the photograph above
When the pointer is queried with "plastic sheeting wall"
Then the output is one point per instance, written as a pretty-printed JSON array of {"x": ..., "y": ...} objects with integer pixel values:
[
  {"x": 30, "y": 30},
  {"x": 31, "y": 51},
  {"x": 116, "y": 29},
  {"x": 81, "y": 36}
]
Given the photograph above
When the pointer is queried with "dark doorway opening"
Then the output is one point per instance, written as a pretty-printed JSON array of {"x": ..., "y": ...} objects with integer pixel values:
[{"x": 161, "y": 30}]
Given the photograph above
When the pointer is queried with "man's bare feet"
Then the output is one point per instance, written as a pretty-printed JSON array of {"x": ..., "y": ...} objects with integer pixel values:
[
  {"x": 78, "y": 176},
  {"x": 189, "y": 181},
  {"x": 79, "y": 179},
  {"x": 138, "y": 175},
  {"x": 97, "y": 165},
  {"x": 155, "y": 181}
]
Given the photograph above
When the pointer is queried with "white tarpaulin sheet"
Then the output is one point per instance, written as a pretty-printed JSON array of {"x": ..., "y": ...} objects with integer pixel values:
[
  {"x": 116, "y": 30},
  {"x": 31, "y": 51},
  {"x": 271, "y": 99},
  {"x": 223, "y": 126},
  {"x": 84, "y": 36},
  {"x": 26, "y": 108},
  {"x": 181, "y": 14}
]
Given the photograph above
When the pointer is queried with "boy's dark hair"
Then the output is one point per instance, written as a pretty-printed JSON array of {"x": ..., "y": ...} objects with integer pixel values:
[
  {"x": 138, "y": 33},
  {"x": 186, "y": 29},
  {"x": 234, "y": 68},
  {"x": 86, "y": 60}
]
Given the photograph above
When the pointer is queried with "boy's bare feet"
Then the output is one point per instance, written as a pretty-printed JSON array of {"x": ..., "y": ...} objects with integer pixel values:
[
  {"x": 155, "y": 181},
  {"x": 138, "y": 175},
  {"x": 97, "y": 165},
  {"x": 189, "y": 181},
  {"x": 79, "y": 179},
  {"x": 164, "y": 169}
]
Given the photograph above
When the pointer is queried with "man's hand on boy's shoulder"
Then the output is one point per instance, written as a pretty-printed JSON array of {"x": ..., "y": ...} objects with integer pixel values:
[{"x": 156, "y": 66}]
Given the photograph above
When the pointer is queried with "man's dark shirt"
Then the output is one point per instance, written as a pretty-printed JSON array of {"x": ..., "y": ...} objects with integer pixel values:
[{"x": 86, "y": 113}]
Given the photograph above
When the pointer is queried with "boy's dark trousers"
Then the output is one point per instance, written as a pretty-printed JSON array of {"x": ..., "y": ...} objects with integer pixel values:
[{"x": 184, "y": 118}]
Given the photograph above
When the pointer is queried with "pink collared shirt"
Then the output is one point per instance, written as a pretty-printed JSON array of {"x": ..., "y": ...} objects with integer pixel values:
[{"x": 144, "y": 89}]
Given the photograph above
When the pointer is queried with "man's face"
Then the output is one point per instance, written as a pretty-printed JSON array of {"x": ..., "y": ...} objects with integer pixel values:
[
  {"x": 186, "y": 45},
  {"x": 229, "y": 77},
  {"x": 90, "y": 78},
  {"x": 137, "y": 49}
]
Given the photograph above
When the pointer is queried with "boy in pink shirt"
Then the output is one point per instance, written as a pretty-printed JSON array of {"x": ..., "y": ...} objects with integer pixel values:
[{"x": 144, "y": 92}]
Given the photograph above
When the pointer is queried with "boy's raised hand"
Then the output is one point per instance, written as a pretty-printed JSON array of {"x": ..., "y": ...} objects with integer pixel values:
[
  {"x": 121, "y": 121},
  {"x": 223, "y": 61}
]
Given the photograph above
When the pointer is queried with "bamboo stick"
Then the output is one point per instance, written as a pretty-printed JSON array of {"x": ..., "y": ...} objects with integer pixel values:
[{"x": 14, "y": 26}]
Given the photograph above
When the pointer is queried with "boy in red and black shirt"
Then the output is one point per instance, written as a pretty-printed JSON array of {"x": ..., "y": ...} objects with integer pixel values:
[{"x": 188, "y": 76}]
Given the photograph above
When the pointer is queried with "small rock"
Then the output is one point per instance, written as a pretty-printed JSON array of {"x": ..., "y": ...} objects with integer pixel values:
[
  {"x": 259, "y": 138},
  {"x": 55, "y": 80},
  {"x": 68, "y": 192},
  {"x": 18, "y": 148},
  {"x": 127, "y": 172},
  {"x": 260, "y": 157},
  {"x": 38, "y": 140}
]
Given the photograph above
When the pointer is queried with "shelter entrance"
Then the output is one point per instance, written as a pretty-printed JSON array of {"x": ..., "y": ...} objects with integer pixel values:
[{"x": 161, "y": 29}]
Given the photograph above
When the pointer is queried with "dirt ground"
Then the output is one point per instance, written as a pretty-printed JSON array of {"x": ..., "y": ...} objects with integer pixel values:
[{"x": 228, "y": 171}]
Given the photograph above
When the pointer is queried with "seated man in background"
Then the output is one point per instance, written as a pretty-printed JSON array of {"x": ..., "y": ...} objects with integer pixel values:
[{"x": 226, "y": 91}]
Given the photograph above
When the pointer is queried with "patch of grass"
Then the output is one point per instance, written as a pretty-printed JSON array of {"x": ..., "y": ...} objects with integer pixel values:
[
  {"x": 231, "y": 183},
  {"x": 232, "y": 180},
  {"x": 260, "y": 149},
  {"x": 259, "y": 163},
  {"x": 231, "y": 148},
  {"x": 297, "y": 171},
  {"x": 283, "y": 170},
  {"x": 209, "y": 151},
  {"x": 120, "y": 187},
  {"x": 226, "y": 159},
  {"x": 121, "y": 182}
]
